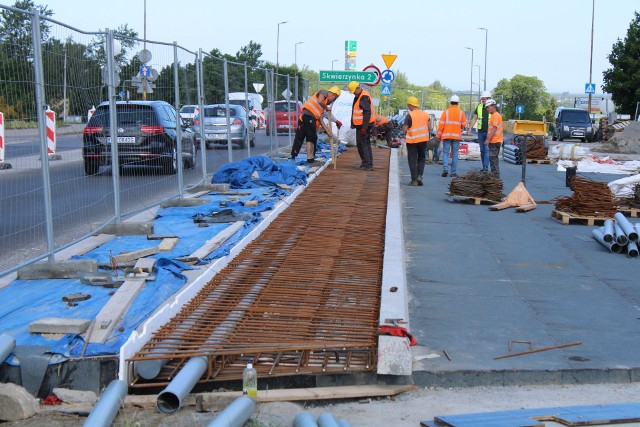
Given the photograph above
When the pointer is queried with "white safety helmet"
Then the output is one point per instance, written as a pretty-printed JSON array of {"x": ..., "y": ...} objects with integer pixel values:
[
  {"x": 454, "y": 98},
  {"x": 489, "y": 102},
  {"x": 486, "y": 94}
]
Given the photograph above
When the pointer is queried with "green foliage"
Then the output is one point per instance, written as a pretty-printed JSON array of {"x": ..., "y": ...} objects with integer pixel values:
[
  {"x": 622, "y": 80},
  {"x": 528, "y": 91},
  {"x": 15, "y": 29}
]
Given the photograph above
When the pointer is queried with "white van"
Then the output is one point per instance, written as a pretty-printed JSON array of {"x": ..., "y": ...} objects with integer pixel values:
[{"x": 255, "y": 105}]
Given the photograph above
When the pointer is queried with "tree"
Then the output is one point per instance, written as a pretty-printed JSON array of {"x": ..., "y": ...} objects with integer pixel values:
[
  {"x": 15, "y": 29},
  {"x": 528, "y": 91},
  {"x": 622, "y": 80},
  {"x": 250, "y": 53}
]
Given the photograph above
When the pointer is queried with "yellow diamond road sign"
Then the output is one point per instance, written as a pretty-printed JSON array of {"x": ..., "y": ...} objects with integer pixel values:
[{"x": 389, "y": 59}]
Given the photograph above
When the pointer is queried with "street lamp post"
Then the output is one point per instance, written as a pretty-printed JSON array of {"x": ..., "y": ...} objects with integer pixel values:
[
  {"x": 295, "y": 55},
  {"x": 333, "y": 62},
  {"x": 471, "y": 84},
  {"x": 478, "y": 77},
  {"x": 278, "y": 46},
  {"x": 593, "y": 9},
  {"x": 486, "y": 39}
]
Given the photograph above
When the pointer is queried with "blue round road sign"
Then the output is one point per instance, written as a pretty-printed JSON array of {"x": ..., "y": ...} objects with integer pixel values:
[{"x": 387, "y": 77}]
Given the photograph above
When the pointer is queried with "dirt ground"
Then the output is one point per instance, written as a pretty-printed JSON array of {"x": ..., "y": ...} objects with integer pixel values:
[{"x": 405, "y": 410}]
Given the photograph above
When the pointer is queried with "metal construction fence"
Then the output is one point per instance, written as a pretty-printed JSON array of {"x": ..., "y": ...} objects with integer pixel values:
[{"x": 54, "y": 76}]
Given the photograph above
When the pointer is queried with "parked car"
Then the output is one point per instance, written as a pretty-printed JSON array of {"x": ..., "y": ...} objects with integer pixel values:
[
  {"x": 187, "y": 113},
  {"x": 147, "y": 132},
  {"x": 215, "y": 125},
  {"x": 286, "y": 116},
  {"x": 572, "y": 123}
]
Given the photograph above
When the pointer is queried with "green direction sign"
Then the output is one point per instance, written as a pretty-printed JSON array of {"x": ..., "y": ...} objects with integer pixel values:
[{"x": 328, "y": 76}]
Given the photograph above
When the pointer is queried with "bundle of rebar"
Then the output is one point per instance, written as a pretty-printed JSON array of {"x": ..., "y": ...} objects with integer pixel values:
[
  {"x": 515, "y": 154},
  {"x": 477, "y": 184},
  {"x": 632, "y": 201},
  {"x": 590, "y": 198}
]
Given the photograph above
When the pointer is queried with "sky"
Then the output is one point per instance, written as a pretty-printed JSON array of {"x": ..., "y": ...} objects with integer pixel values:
[{"x": 549, "y": 39}]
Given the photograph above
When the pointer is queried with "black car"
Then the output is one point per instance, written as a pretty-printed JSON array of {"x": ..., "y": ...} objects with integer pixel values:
[
  {"x": 147, "y": 133},
  {"x": 572, "y": 123}
]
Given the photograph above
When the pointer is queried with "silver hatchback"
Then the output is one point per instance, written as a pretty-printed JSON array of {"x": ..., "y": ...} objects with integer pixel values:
[{"x": 215, "y": 126}]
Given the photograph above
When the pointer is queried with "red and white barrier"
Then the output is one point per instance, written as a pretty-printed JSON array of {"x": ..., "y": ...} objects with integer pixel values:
[
  {"x": 51, "y": 132},
  {"x": 90, "y": 112},
  {"x": 262, "y": 119},
  {"x": 1, "y": 137}
]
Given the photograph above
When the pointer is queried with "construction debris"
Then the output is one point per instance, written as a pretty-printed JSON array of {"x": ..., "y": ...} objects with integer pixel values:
[
  {"x": 632, "y": 201},
  {"x": 590, "y": 198},
  {"x": 622, "y": 137},
  {"x": 537, "y": 350},
  {"x": 535, "y": 149},
  {"x": 477, "y": 184}
]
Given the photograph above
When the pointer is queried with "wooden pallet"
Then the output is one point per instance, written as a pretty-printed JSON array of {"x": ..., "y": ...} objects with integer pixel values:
[
  {"x": 632, "y": 212},
  {"x": 541, "y": 161},
  {"x": 474, "y": 200},
  {"x": 568, "y": 218}
]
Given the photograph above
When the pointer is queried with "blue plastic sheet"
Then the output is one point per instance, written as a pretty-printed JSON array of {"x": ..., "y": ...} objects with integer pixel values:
[{"x": 238, "y": 174}]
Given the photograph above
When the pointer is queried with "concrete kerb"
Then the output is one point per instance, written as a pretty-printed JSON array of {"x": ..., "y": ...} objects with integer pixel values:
[{"x": 171, "y": 307}]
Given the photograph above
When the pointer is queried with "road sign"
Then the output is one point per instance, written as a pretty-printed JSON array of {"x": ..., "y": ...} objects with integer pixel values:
[
  {"x": 327, "y": 76},
  {"x": 387, "y": 77},
  {"x": 144, "y": 56},
  {"x": 287, "y": 93},
  {"x": 386, "y": 90},
  {"x": 389, "y": 59},
  {"x": 144, "y": 71},
  {"x": 373, "y": 69},
  {"x": 519, "y": 109},
  {"x": 589, "y": 88},
  {"x": 258, "y": 87}
]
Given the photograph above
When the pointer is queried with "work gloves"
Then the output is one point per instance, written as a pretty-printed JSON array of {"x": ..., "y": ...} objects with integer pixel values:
[
  {"x": 338, "y": 124},
  {"x": 363, "y": 132}
]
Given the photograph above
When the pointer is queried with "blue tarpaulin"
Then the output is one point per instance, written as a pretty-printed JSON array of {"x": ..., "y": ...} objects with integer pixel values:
[{"x": 239, "y": 174}]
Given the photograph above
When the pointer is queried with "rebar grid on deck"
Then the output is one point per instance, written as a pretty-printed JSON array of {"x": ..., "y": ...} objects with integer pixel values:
[{"x": 303, "y": 297}]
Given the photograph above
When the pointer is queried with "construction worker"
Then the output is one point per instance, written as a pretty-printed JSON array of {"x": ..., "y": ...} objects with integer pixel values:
[
  {"x": 452, "y": 121},
  {"x": 494, "y": 137},
  {"x": 309, "y": 121},
  {"x": 416, "y": 129},
  {"x": 481, "y": 116},
  {"x": 383, "y": 126},
  {"x": 363, "y": 116}
]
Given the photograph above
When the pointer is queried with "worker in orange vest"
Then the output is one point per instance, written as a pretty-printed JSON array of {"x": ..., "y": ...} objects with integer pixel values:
[
  {"x": 312, "y": 112},
  {"x": 452, "y": 121},
  {"x": 416, "y": 129},
  {"x": 363, "y": 117},
  {"x": 494, "y": 136},
  {"x": 383, "y": 127}
]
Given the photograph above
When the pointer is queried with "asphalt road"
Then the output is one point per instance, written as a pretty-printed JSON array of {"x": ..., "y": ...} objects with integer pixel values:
[{"x": 78, "y": 201}]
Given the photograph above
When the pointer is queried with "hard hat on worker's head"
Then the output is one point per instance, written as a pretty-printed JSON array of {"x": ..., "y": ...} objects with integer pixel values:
[
  {"x": 486, "y": 94},
  {"x": 335, "y": 90},
  {"x": 412, "y": 100},
  {"x": 353, "y": 85},
  {"x": 489, "y": 102},
  {"x": 454, "y": 98}
]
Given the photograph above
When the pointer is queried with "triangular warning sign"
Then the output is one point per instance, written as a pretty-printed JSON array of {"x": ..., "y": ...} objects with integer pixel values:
[
  {"x": 386, "y": 90},
  {"x": 389, "y": 60}
]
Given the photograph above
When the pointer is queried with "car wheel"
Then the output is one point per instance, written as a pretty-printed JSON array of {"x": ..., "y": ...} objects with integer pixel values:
[
  {"x": 91, "y": 166},
  {"x": 191, "y": 163},
  {"x": 170, "y": 165},
  {"x": 554, "y": 137},
  {"x": 252, "y": 143},
  {"x": 242, "y": 144}
]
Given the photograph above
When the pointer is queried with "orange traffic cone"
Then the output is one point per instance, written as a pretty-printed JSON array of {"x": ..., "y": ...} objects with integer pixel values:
[{"x": 518, "y": 198}]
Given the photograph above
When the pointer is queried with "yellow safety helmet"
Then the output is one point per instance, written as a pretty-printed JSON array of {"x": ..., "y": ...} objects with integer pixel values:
[
  {"x": 335, "y": 90},
  {"x": 412, "y": 100},
  {"x": 353, "y": 85}
]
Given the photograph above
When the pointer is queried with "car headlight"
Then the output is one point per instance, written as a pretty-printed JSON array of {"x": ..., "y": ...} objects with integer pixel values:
[
  {"x": 589, "y": 129},
  {"x": 565, "y": 128}
]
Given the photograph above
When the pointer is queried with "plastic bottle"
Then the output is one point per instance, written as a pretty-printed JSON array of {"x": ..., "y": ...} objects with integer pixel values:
[{"x": 249, "y": 381}]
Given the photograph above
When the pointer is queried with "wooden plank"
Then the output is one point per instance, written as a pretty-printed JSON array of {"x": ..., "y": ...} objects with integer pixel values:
[
  {"x": 569, "y": 218},
  {"x": 283, "y": 395},
  {"x": 167, "y": 244},
  {"x": 111, "y": 313},
  {"x": 470, "y": 199},
  {"x": 632, "y": 212},
  {"x": 213, "y": 243},
  {"x": 145, "y": 265},
  {"x": 131, "y": 256}
]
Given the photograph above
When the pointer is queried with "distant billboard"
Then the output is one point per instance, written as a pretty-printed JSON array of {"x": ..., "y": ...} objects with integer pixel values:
[
  {"x": 596, "y": 104},
  {"x": 350, "y": 49}
]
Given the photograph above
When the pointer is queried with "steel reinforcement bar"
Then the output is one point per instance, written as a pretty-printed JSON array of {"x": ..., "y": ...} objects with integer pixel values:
[{"x": 303, "y": 298}]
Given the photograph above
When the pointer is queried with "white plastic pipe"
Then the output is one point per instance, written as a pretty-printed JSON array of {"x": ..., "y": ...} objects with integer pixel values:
[
  {"x": 613, "y": 246},
  {"x": 327, "y": 420},
  {"x": 626, "y": 226},
  {"x": 621, "y": 238},
  {"x": 632, "y": 250},
  {"x": 7, "y": 344},
  {"x": 343, "y": 423},
  {"x": 608, "y": 230},
  {"x": 108, "y": 405},
  {"x": 304, "y": 419},
  {"x": 236, "y": 414},
  {"x": 170, "y": 399}
]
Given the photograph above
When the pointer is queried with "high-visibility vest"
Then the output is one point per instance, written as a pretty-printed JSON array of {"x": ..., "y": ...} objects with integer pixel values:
[
  {"x": 451, "y": 122},
  {"x": 357, "y": 116},
  {"x": 419, "y": 130},
  {"x": 313, "y": 106},
  {"x": 495, "y": 121},
  {"x": 480, "y": 114},
  {"x": 381, "y": 120}
]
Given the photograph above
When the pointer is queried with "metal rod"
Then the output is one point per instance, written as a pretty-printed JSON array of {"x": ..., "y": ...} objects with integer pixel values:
[
  {"x": 593, "y": 9},
  {"x": 41, "y": 106},
  {"x": 227, "y": 108},
  {"x": 270, "y": 106},
  {"x": 113, "y": 125},
  {"x": 201, "y": 103},
  {"x": 176, "y": 103},
  {"x": 538, "y": 350},
  {"x": 170, "y": 399},
  {"x": 7, "y": 344},
  {"x": 236, "y": 414},
  {"x": 288, "y": 114},
  {"x": 64, "y": 84},
  {"x": 249, "y": 111},
  {"x": 106, "y": 409}
]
